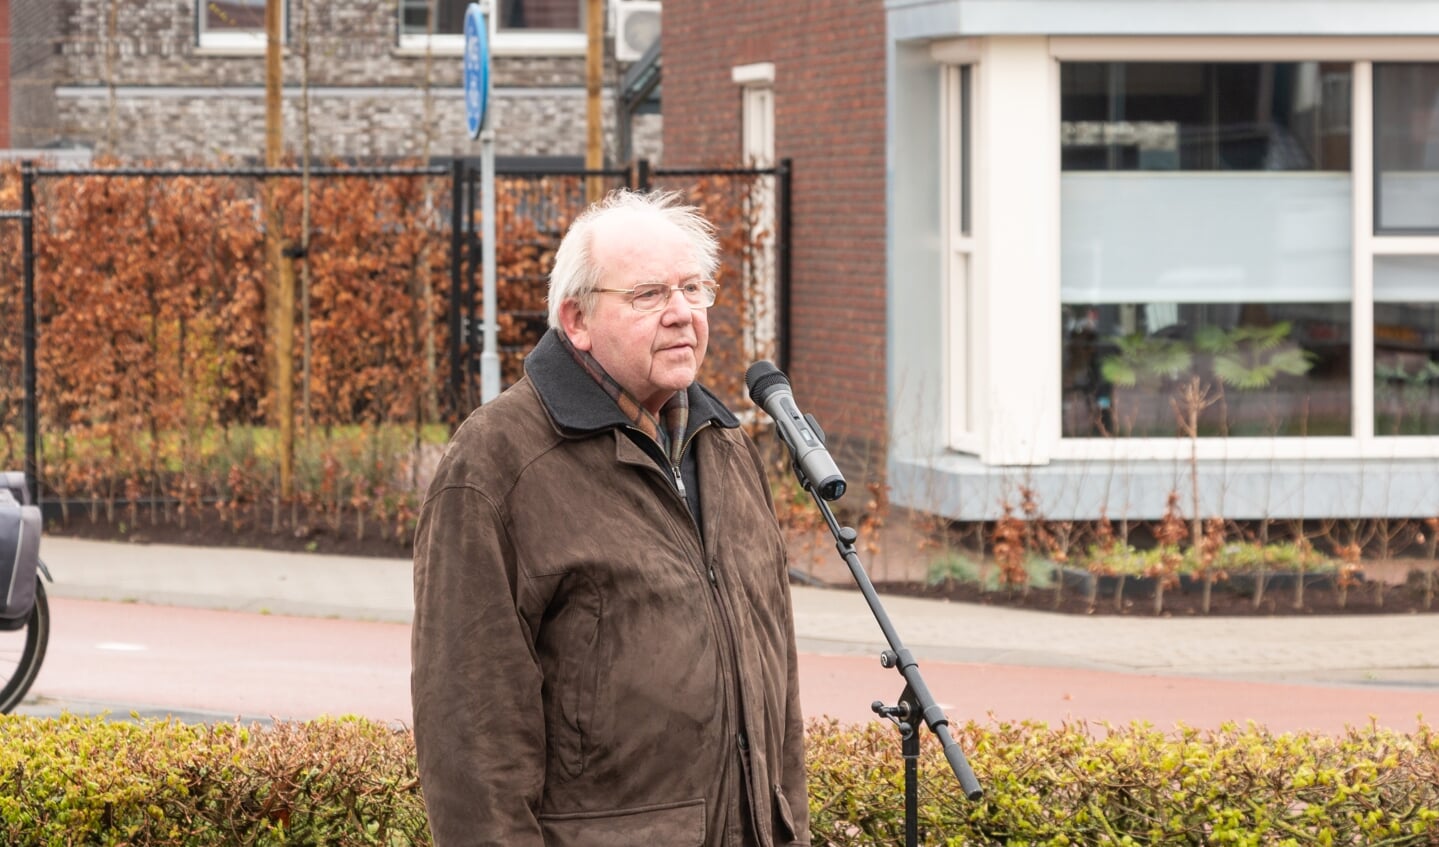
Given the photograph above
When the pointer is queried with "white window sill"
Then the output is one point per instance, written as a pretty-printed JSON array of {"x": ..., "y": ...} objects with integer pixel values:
[
  {"x": 232, "y": 44},
  {"x": 501, "y": 44}
]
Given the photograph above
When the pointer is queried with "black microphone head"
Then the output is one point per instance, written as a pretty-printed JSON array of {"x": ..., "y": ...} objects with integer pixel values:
[{"x": 762, "y": 378}]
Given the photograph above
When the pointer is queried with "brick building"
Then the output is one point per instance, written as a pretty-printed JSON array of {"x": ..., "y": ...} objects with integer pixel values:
[
  {"x": 802, "y": 80},
  {"x": 185, "y": 79},
  {"x": 4, "y": 74}
]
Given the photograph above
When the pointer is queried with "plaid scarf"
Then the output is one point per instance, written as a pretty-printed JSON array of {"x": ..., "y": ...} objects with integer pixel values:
[{"x": 676, "y": 410}]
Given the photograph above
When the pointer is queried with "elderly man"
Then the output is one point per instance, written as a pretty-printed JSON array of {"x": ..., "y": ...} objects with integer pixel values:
[{"x": 603, "y": 641}]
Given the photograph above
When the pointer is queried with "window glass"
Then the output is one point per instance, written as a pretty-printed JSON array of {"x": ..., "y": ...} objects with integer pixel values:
[
  {"x": 233, "y": 15},
  {"x": 524, "y": 16},
  {"x": 539, "y": 14},
  {"x": 1406, "y": 147},
  {"x": 1205, "y": 116},
  {"x": 1406, "y": 345},
  {"x": 965, "y": 87},
  {"x": 1206, "y": 232},
  {"x": 1264, "y": 369},
  {"x": 449, "y": 17}
]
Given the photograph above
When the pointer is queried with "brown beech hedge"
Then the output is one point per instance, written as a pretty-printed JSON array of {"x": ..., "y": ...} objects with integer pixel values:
[
  {"x": 151, "y": 310},
  {"x": 74, "y": 780}
]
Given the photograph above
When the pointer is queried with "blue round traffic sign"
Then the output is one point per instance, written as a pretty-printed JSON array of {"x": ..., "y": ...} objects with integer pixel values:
[{"x": 477, "y": 68}]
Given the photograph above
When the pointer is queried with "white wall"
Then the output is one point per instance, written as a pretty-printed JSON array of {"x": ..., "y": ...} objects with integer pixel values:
[
  {"x": 1016, "y": 219},
  {"x": 915, "y": 306}
]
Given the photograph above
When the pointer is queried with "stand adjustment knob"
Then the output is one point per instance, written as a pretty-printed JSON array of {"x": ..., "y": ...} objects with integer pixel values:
[{"x": 897, "y": 712}]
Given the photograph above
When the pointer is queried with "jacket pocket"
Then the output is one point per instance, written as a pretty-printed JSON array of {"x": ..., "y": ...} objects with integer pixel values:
[
  {"x": 783, "y": 817},
  {"x": 677, "y": 824},
  {"x": 571, "y": 653}
]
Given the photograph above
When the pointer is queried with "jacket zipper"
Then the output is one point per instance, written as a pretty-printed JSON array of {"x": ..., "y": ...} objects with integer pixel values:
[
  {"x": 746, "y": 786},
  {"x": 679, "y": 481},
  {"x": 677, "y": 475},
  {"x": 675, "y": 466}
]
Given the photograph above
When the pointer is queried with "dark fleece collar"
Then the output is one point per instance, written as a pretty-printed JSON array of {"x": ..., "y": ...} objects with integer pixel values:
[{"x": 578, "y": 405}]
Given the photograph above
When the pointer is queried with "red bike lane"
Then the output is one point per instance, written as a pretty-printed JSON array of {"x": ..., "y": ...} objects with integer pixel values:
[{"x": 123, "y": 656}]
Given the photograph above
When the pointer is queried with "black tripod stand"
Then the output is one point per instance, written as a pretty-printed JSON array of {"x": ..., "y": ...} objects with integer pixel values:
[
  {"x": 915, "y": 703},
  {"x": 817, "y": 472}
]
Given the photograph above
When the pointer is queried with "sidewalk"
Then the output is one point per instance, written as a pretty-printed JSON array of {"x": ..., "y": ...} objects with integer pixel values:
[{"x": 1376, "y": 650}]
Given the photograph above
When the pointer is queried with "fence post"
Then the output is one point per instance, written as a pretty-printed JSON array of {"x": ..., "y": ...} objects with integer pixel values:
[
  {"x": 642, "y": 175},
  {"x": 457, "y": 247},
  {"x": 782, "y": 261},
  {"x": 27, "y": 260}
]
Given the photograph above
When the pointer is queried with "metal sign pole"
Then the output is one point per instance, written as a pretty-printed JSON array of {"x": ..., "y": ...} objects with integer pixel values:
[
  {"x": 478, "y": 88},
  {"x": 490, "y": 358}
]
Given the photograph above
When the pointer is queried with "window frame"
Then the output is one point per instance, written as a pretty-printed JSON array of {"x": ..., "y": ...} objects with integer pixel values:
[
  {"x": 243, "y": 42},
  {"x": 757, "y": 135},
  {"x": 964, "y": 335},
  {"x": 1397, "y": 232},
  {"x": 1362, "y": 53}
]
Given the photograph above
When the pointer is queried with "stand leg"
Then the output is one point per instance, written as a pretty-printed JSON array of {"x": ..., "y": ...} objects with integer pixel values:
[
  {"x": 910, "y": 749},
  {"x": 906, "y": 717}
]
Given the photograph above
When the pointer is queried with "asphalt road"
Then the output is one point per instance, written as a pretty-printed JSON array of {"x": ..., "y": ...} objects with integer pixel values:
[{"x": 200, "y": 664}]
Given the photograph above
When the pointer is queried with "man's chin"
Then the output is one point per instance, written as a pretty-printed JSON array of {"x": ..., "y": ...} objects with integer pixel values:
[{"x": 677, "y": 379}]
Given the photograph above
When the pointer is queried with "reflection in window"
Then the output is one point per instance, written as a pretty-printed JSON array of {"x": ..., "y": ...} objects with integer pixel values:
[
  {"x": 449, "y": 17},
  {"x": 1265, "y": 369},
  {"x": 1205, "y": 116},
  {"x": 528, "y": 15},
  {"x": 1172, "y": 271},
  {"x": 1406, "y": 345},
  {"x": 539, "y": 14},
  {"x": 232, "y": 16},
  {"x": 1406, "y": 147}
]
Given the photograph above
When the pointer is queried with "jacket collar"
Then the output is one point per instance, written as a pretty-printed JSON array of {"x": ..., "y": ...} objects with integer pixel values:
[{"x": 579, "y": 406}]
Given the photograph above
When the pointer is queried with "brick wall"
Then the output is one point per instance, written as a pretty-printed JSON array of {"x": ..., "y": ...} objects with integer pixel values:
[
  {"x": 34, "y": 66},
  {"x": 345, "y": 123},
  {"x": 4, "y": 74},
  {"x": 367, "y": 94},
  {"x": 829, "y": 119}
]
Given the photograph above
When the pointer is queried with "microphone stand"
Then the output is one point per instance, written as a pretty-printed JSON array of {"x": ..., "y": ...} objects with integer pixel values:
[{"x": 915, "y": 702}]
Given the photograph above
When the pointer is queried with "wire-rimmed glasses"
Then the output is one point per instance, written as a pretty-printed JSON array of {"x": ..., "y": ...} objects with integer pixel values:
[{"x": 654, "y": 296}]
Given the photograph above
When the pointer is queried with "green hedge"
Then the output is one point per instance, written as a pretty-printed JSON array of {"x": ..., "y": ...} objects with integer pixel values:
[{"x": 80, "y": 780}]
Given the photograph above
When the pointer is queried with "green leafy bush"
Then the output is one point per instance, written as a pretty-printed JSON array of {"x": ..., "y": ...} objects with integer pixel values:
[
  {"x": 1071, "y": 785},
  {"x": 74, "y": 780}
]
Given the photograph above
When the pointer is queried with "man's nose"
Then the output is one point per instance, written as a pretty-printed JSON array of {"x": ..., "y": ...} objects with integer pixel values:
[{"x": 678, "y": 310}]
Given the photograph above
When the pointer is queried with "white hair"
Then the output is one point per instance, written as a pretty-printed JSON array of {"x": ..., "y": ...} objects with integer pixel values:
[{"x": 575, "y": 275}]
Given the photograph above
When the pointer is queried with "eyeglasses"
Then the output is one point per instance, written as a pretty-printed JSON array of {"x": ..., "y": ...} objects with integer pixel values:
[{"x": 654, "y": 296}]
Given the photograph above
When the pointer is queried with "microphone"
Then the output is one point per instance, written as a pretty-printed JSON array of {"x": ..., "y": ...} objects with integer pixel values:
[{"x": 769, "y": 388}]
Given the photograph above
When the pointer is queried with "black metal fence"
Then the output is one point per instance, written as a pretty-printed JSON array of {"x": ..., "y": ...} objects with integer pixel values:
[{"x": 536, "y": 210}]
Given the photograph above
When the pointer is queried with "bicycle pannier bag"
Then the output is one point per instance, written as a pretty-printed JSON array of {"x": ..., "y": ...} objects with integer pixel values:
[
  {"x": 19, "y": 559},
  {"x": 15, "y": 482}
]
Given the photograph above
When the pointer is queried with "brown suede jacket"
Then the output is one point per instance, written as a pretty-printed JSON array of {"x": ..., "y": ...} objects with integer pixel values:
[{"x": 589, "y": 667}]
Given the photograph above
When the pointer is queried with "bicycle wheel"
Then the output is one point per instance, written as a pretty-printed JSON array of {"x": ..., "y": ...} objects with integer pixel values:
[{"x": 22, "y": 651}]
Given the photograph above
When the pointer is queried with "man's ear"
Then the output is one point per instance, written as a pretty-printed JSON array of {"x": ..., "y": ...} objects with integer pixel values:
[{"x": 572, "y": 321}]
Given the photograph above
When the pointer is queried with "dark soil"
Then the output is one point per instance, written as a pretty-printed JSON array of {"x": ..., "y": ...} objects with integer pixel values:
[
  {"x": 1232, "y": 598},
  {"x": 211, "y": 532},
  {"x": 1138, "y": 600}
]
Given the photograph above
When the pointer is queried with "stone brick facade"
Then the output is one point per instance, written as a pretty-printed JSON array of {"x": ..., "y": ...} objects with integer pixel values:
[
  {"x": 34, "y": 30},
  {"x": 4, "y": 74},
  {"x": 829, "y": 93},
  {"x": 146, "y": 88}
]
